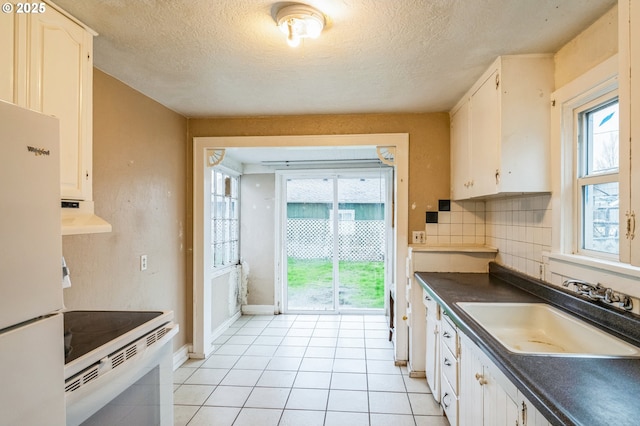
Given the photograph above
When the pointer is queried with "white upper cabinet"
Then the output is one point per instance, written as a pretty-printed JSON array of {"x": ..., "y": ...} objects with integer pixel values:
[
  {"x": 8, "y": 24},
  {"x": 460, "y": 156},
  {"x": 60, "y": 82},
  {"x": 47, "y": 66},
  {"x": 500, "y": 130}
]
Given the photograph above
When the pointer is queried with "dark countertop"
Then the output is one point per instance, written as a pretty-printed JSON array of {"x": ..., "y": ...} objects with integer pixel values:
[{"x": 566, "y": 390}]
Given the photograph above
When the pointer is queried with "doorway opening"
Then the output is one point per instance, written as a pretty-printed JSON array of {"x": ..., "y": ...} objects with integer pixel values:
[
  {"x": 266, "y": 279},
  {"x": 335, "y": 240}
]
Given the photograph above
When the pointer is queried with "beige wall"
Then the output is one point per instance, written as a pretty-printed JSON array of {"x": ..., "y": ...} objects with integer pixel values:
[
  {"x": 139, "y": 163},
  {"x": 428, "y": 145},
  {"x": 428, "y": 164},
  {"x": 257, "y": 235},
  {"x": 596, "y": 43}
]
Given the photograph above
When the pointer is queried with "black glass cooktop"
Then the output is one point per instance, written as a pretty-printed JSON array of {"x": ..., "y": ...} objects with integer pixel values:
[{"x": 85, "y": 331}]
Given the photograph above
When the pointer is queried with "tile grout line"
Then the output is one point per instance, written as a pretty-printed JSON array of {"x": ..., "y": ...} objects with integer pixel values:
[{"x": 368, "y": 335}]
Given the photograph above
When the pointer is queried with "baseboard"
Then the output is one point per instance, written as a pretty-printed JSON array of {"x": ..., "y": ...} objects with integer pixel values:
[
  {"x": 214, "y": 335},
  {"x": 258, "y": 309},
  {"x": 180, "y": 356},
  {"x": 223, "y": 327}
]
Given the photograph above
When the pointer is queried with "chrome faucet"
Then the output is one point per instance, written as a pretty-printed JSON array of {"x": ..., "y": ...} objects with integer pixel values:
[
  {"x": 593, "y": 291},
  {"x": 598, "y": 292},
  {"x": 577, "y": 283}
]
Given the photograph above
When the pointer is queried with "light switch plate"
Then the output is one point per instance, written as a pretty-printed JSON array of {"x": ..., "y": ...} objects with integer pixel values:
[{"x": 418, "y": 237}]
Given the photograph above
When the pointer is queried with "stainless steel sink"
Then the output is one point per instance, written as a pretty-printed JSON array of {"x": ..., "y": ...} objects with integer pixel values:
[{"x": 541, "y": 329}]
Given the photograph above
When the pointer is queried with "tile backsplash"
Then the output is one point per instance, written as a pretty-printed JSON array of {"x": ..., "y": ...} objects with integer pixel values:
[
  {"x": 463, "y": 224},
  {"x": 519, "y": 227}
]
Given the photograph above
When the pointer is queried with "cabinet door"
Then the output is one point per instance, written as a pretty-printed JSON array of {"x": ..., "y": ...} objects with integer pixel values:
[
  {"x": 527, "y": 413},
  {"x": 485, "y": 136},
  {"x": 470, "y": 386},
  {"x": 7, "y": 55},
  {"x": 498, "y": 407},
  {"x": 60, "y": 66},
  {"x": 460, "y": 158},
  {"x": 13, "y": 58},
  {"x": 432, "y": 354}
]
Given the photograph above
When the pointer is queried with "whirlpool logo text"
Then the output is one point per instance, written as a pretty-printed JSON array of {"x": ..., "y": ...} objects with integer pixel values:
[{"x": 38, "y": 151}]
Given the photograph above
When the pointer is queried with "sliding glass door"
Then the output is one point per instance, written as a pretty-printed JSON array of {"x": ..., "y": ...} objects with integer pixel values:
[{"x": 336, "y": 240}]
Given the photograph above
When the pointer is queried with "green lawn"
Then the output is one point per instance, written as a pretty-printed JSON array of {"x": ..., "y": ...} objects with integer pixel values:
[{"x": 361, "y": 283}]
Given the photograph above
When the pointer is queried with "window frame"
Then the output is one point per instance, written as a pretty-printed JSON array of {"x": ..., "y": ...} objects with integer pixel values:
[
  {"x": 234, "y": 230},
  {"x": 564, "y": 256},
  {"x": 583, "y": 179}
]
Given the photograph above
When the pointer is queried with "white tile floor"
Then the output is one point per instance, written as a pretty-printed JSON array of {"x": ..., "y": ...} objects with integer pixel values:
[{"x": 303, "y": 370}]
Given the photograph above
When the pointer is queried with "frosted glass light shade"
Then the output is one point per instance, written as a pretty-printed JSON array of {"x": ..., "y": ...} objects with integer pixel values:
[{"x": 300, "y": 21}]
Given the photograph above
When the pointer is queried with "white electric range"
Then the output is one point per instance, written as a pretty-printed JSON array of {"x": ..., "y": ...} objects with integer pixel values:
[{"x": 119, "y": 367}]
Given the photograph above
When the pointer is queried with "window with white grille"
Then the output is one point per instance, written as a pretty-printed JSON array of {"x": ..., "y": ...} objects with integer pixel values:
[
  {"x": 598, "y": 179},
  {"x": 225, "y": 217}
]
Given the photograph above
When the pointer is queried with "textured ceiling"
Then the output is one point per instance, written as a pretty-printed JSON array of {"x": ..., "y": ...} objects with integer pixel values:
[{"x": 227, "y": 57}]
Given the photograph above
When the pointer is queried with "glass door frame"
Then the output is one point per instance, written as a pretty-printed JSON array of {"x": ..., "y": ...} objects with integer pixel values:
[{"x": 387, "y": 173}]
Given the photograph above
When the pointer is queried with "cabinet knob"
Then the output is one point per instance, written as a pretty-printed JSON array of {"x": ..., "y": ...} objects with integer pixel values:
[
  {"x": 404, "y": 318},
  {"x": 480, "y": 378},
  {"x": 446, "y": 362}
]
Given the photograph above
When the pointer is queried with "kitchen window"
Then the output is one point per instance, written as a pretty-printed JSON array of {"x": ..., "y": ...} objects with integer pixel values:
[
  {"x": 593, "y": 219},
  {"x": 225, "y": 217},
  {"x": 598, "y": 182}
]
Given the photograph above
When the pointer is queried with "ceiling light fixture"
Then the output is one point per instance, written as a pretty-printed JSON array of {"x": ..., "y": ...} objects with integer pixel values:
[{"x": 299, "y": 21}]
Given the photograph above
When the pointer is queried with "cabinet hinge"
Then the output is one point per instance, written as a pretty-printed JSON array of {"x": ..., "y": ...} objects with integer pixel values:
[{"x": 497, "y": 81}]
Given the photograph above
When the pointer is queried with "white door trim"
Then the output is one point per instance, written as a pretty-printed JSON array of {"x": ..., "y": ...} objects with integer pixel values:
[
  {"x": 401, "y": 212},
  {"x": 281, "y": 213}
]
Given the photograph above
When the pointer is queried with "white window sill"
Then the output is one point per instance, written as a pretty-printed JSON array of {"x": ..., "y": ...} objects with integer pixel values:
[
  {"x": 222, "y": 270},
  {"x": 620, "y": 276},
  {"x": 593, "y": 263}
]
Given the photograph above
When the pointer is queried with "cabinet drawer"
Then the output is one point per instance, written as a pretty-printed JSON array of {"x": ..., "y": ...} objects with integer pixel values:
[
  {"x": 449, "y": 335},
  {"x": 430, "y": 303},
  {"x": 449, "y": 403},
  {"x": 449, "y": 366}
]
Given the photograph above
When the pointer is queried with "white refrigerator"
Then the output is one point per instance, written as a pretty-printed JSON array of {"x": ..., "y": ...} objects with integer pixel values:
[{"x": 31, "y": 326}]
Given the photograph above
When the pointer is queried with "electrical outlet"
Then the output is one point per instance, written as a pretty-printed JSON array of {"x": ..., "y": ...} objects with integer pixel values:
[
  {"x": 418, "y": 237},
  {"x": 143, "y": 262}
]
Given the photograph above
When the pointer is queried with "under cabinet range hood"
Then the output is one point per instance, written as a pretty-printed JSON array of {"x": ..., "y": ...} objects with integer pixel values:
[{"x": 78, "y": 218}]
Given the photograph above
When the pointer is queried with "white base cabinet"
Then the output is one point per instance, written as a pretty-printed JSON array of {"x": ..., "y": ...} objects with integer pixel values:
[
  {"x": 471, "y": 390},
  {"x": 432, "y": 353},
  {"x": 487, "y": 397},
  {"x": 449, "y": 367}
]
